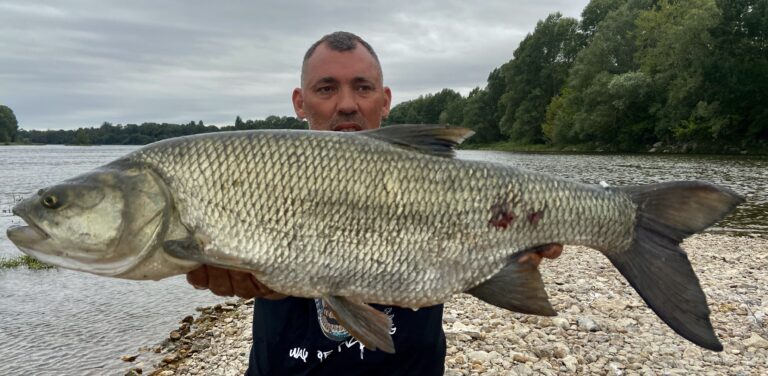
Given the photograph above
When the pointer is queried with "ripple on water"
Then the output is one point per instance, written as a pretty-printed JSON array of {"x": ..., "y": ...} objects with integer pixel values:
[{"x": 65, "y": 322}]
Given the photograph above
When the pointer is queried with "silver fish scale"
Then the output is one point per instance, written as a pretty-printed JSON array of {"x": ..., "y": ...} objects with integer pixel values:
[{"x": 316, "y": 213}]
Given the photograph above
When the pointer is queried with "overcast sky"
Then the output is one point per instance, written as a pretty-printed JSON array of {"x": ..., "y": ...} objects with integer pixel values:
[{"x": 69, "y": 64}]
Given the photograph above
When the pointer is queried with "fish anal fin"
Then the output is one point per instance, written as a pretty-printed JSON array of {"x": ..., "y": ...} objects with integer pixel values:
[
  {"x": 365, "y": 323},
  {"x": 517, "y": 287}
]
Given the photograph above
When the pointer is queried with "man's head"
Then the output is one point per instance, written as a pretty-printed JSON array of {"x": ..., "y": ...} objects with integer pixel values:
[{"x": 342, "y": 86}]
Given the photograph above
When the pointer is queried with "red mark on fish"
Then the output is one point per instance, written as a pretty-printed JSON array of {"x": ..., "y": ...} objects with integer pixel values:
[
  {"x": 500, "y": 216},
  {"x": 535, "y": 217}
]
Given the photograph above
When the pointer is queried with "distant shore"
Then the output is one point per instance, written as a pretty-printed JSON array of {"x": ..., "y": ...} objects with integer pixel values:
[
  {"x": 510, "y": 146},
  {"x": 603, "y": 327}
]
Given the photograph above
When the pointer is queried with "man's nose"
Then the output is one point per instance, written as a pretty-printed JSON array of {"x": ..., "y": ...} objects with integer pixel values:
[{"x": 347, "y": 102}]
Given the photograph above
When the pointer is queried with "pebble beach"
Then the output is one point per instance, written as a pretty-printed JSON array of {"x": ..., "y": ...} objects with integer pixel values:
[{"x": 602, "y": 327}]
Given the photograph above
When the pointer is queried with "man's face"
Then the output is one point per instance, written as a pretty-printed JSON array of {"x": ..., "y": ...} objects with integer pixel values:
[{"x": 342, "y": 91}]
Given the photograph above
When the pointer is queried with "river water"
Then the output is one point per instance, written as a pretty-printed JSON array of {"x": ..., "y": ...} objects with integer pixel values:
[{"x": 63, "y": 322}]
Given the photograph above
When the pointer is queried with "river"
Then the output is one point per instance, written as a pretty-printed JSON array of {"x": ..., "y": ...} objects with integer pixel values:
[{"x": 63, "y": 322}]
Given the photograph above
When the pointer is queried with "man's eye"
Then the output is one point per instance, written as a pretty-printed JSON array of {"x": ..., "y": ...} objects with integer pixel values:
[
  {"x": 365, "y": 88},
  {"x": 325, "y": 89}
]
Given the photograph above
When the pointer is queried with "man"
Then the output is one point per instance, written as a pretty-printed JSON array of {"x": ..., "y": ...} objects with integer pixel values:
[{"x": 341, "y": 90}]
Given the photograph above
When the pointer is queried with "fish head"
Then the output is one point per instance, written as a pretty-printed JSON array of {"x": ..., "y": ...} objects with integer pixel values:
[{"x": 107, "y": 222}]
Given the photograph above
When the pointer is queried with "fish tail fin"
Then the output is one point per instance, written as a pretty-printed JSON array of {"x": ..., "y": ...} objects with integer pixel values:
[{"x": 655, "y": 265}]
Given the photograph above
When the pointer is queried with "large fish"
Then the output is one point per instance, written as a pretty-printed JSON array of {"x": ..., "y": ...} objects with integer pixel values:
[{"x": 384, "y": 216}]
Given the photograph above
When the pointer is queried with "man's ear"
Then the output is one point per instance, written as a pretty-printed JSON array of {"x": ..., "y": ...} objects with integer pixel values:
[
  {"x": 298, "y": 103},
  {"x": 385, "y": 110}
]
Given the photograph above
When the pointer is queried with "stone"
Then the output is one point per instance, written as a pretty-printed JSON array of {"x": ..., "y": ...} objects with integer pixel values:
[
  {"x": 521, "y": 358},
  {"x": 587, "y": 324},
  {"x": 522, "y": 370},
  {"x": 460, "y": 328},
  {"x": 756, "y": 341},
  {"x": 175, "y": 335},
  {"x": 561, "y": 323},
  {"x": 692, "y": 353},
  {"x": 188, "y": 319},
  {"x": 510, "y": 336},
  {"x": 478, "y": 356},
  {"x": 128, "y": 358},
  {"x": 560, "y": 350},
  {"x": 571, "y": 363}
]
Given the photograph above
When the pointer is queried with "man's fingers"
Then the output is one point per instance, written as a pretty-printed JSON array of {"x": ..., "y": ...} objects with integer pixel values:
[
  {"x": 264, "y": 291},
  {"x": 198, "y": 278},
  {"x": 551, "y": 251},
  {"x": 535, "y": 255},
  {"x": 242, "y": 284},
  {"x": 219, "y": 282}
]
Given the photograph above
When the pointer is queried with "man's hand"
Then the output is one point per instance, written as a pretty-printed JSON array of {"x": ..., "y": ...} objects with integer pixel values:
[
  {"x": 226, "y": 282},
  {"x": 550, "y": 251}
]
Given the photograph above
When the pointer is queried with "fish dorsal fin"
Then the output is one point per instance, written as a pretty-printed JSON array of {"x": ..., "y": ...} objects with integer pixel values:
[{"x": 432, "y": 139}]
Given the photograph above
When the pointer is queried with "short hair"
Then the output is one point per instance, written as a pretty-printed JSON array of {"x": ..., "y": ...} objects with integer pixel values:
[{"x": 339, "y": 41}]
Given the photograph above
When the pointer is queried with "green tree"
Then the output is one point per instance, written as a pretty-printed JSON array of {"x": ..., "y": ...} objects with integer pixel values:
[
  {"x": 587, "y": 109},
  {"x": 737, "y": 79},
  {"x": 9, "y": 126},
  {"x": 81, "y": 137},
  {"x": 536, "y": 74},
  {"x": 676, "y": 48},
  {"x": 594, "y": 13}
]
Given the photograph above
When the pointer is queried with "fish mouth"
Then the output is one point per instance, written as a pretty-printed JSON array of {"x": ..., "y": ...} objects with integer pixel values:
[{"x": 27, "y": 234}]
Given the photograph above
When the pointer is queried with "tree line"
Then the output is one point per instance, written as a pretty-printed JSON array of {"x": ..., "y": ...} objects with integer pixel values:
[
  {"x": 145, "y": 133},
  {"x": 628, "y": 75}
]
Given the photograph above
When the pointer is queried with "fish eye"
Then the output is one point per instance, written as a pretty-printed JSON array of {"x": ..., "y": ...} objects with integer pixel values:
[{"x": 51, "y": 202}]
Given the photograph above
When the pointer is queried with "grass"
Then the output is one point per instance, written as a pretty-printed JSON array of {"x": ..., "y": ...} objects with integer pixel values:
[{"x": 29, "y": 262}]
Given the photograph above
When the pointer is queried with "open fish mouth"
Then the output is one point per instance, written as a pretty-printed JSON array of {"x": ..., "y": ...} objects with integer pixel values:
[
  {"x": 21, "y": 234},
  {"x": 26, "y": 234}
]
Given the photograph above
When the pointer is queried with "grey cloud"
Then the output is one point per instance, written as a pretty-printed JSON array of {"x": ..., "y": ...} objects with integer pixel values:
[{"x": 78, "y": 63}]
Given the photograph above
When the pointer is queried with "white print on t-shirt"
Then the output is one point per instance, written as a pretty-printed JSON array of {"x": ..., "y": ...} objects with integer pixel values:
[
  {"x": 299, "y": 353},
  {"x": 323, "y": 354}
]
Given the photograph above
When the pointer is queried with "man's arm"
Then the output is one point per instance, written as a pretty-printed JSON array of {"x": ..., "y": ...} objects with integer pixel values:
[{"x": 226, "y": 282}]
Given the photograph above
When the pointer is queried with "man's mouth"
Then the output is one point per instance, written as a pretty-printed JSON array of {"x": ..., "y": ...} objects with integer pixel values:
[{"x": 347, "y": 127}]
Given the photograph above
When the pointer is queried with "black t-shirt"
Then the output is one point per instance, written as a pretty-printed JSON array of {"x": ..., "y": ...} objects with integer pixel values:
[{"x": 288, "y": 340}]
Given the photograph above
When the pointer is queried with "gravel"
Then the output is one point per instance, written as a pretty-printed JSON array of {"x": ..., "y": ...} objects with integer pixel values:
[{"x": 603, "y": 326}]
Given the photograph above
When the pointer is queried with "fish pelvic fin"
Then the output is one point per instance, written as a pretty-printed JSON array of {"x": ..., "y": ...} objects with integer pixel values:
[
  {"x": 517, "y": 287},
  {"x": 438, "y": 140},
  {"x": 368, "y": 325},
  {"x": 655, "y": 265}
]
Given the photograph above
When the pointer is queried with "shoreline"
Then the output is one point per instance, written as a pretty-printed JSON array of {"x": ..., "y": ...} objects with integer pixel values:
[{"x": 602, "y": 325}]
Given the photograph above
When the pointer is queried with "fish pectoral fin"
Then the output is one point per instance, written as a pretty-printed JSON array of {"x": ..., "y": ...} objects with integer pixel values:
[
  {"x": 189, "y": 248},
  {"x": 517, "y": 287},
  {"x": 193, "y": 248},
  {"x": 432, "y": 139},
  {"x": 366, "y": 324}
]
